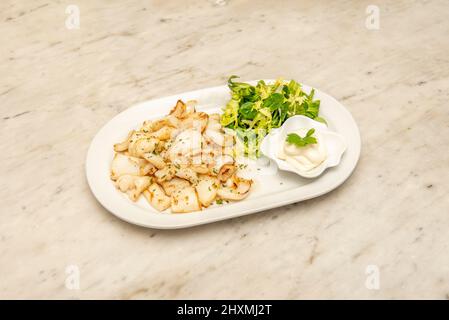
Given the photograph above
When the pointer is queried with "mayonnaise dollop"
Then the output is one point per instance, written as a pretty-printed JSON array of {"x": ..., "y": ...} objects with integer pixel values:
[{"x": 304, "y": 158}]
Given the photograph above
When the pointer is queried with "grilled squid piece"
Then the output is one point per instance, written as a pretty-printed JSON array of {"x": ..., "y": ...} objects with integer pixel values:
[
  {"x": 215, "y": 134},
  {"x": 214, "y": 122},
  {"x": 165, "y": 174},
  {"x": 142, "y": 146},
  {"x": 197, "y": 120},
  {"x": 224, "y": 140},
  {"x": 136, "y": 136},
  {"x": 185, "y": 200},
  {"x": 147, "y": 169},
  {"x": 174, "y": 184},
  {"x": 205, "y": 158},
  {"x": 207, "y": 189},
  {"x": 157, "y": 198},
  {"x": 186, "y": 143},
  {"x": 133, "y": 185},
  {"x": 224, "y": 167},
  {"x": 226, "y": 171},
  {"x": 123, "y": 146},
  {"x": 155, "y": 160},
  {"x": 123, "y": 164},
  {"x": 191, "y": 106},
  {"x": 180, "y": 110},
  {"x": 162, "y": 134},
  {"x": 200, "y": 168},
  {"x": 235, "y": 188},
  {"x": 187, "y": 174},
  {"x": 172, "y": 121},
  {"x": 152, "y": 126}
]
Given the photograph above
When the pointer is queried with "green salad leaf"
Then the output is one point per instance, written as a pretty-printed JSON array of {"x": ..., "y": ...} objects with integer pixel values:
[
  {"x": 254, "y": 111},
  {"x": 299, "y": 141}
]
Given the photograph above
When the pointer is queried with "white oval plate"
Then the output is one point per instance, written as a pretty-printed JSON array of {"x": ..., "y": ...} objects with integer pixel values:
[{"x": 272, "y": 188}]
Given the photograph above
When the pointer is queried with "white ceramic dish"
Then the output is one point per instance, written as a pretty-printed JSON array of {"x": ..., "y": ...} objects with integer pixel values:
[
  {"x": 272, "y": 188},
  {"x": 334, "y": 143}
]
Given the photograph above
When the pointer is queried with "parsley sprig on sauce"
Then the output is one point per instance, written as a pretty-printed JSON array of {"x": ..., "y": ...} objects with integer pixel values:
[{"x": 299, "y": 141}]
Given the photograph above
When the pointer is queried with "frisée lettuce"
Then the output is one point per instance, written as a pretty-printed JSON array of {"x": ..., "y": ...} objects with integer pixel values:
[{"x": 254, "y": 110}]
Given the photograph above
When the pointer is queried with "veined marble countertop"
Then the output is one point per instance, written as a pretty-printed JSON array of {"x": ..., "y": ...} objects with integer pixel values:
[{"x": 383, "y": 234}]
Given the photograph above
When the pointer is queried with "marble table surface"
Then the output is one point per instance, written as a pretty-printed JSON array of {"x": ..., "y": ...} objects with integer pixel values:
[{"x": 380, "y": 235}]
